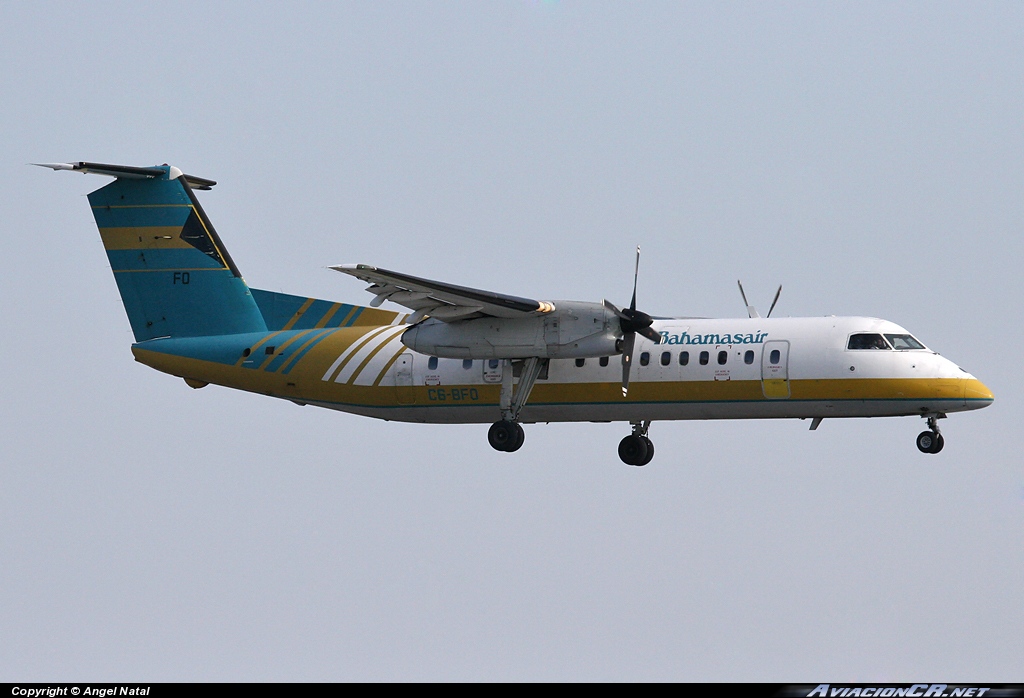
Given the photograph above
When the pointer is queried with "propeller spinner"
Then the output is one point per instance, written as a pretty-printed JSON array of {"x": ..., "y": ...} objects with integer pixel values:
[{"x": 632, "y": 322}]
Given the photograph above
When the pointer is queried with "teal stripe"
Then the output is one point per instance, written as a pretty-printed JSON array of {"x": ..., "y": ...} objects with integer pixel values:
[
  {"x": 354, "y": 317},
  {"x": 279, "y": 360}
]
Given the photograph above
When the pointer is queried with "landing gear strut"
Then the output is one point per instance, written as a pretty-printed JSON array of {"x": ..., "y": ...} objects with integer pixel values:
[
  {"x": 507, "y": 434},
  {"x": 931, "y": 441},
  {"x": 637, "y": 449}
]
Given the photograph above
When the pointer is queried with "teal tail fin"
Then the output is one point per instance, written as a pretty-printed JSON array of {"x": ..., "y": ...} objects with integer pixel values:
[{"x": 175, "y": 276}]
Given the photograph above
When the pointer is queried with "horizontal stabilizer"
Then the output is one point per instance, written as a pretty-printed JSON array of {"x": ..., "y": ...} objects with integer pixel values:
[{"x": 129, "y": 172}]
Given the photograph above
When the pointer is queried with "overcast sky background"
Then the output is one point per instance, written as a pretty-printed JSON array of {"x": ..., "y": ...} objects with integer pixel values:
[{"x": 868, "y": 156}]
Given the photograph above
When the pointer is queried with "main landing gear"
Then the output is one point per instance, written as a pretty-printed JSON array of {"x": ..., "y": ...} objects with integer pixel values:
[
  {"x": 931, "y": 441},
  {"x": 507, "y": 433},
  {"x": 637, "y": 449},
  {"x": 506, "y": 436}
]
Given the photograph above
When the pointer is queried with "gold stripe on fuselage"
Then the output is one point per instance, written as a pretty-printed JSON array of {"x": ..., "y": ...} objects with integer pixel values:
[
  {"x": 327, "y": 316},
  {"x": 298, "y": 314},
  {"x": 354, "y": 349}
]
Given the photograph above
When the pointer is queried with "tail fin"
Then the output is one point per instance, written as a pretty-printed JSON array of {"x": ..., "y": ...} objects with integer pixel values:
[{"x": 175, "y": 276}]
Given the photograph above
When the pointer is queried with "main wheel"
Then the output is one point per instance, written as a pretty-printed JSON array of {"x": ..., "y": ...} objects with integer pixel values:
[
  {"x": 929, "y": 442},
  {"x": 520, "y": 437},
  {"x": 503, "y": 434},
  {"x": 650, "y": 450},
  {"x": 633, "y": 450}
]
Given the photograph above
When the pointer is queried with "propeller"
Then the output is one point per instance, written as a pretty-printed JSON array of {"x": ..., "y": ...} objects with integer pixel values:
[{"x": 632, "y": 322}]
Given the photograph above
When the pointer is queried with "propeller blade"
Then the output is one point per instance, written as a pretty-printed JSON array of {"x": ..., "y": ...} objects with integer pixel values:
[
  {"x": 636, "y": 275},
  {"x": 651, "y": 334},
  {"x": 751, "y": 312},
  {"x": 627, "y": 359},
  {"x": 740, "y": 284},
  {"x": 611, "y": 307},
  {"x": 777, "y": 294}
]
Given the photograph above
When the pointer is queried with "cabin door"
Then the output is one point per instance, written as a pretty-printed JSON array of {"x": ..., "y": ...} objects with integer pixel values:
[
  {"x": 403, "y": 380},
  {"x": 775, "y": 370}
]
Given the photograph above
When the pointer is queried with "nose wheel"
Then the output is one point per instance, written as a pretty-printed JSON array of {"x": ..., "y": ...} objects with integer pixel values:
[
  {"x": 931, "y": 441},
  {"x": 506, "y": 435},
  {"x": 637, "y": 449}
]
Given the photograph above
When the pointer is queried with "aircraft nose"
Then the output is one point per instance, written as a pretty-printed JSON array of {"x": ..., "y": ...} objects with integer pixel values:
[{"x": 977, "y": 394}]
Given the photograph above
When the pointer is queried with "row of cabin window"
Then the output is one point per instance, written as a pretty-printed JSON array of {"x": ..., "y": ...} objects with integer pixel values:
[
  {"x": 645, "y": 359},
  {"x": 466, "y": 363},
  {"x": 684, "y": 358}
]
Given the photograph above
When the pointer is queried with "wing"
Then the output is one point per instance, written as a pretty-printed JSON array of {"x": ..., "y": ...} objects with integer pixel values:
[{"x": 440, "y": 300}]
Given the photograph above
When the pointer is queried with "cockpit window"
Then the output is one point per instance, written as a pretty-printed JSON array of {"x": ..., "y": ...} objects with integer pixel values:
[
  {"x": 867, "y": 341},
  {"x": 903, "y": 342}
]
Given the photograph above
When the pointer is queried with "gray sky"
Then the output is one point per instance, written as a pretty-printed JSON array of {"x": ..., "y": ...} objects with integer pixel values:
[{"x": 869, "y": 156}]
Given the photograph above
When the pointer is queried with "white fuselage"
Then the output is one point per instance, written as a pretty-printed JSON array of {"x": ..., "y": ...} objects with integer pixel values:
[{"x": 750, "y": 368}]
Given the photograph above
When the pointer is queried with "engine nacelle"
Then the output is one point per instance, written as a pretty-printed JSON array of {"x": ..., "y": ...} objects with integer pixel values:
[{"x": 573, "y": 330}]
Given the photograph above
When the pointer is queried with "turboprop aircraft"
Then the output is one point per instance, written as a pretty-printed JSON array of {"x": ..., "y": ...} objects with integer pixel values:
[{"x": 464, "y": 355}]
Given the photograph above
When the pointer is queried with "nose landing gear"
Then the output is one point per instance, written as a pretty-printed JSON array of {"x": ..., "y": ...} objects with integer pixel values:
[
  {"x": 931, "y": 441},
  {"x": 637, "y": 449}
]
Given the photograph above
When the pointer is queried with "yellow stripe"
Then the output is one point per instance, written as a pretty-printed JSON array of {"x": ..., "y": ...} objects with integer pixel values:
[
  {"x": 355, "y": 374},
  {"x": 212, "y": 238},
  {"x": 349, "y": 316},
  {"x": 257, "y": 346},
  {"x": 366, "y": 340},
  {"x": 299, "y": 351},
  {"x": 190, "y": 269},
  {"x": 375, "y": 316},
  {"x": 278, "y": 350},
  {"x": 327, "y": 318},
  {"x": 388, "y": 365},
  {"x": 143, "y": 238},
  {"x": 298, "y": 313}
]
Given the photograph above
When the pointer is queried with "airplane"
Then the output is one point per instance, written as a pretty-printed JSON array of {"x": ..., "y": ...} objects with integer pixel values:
[{"x": 464, "y": 355}]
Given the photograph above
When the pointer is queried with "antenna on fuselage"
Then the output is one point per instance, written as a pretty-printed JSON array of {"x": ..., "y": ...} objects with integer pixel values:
[{"x": 751, "y": 311}]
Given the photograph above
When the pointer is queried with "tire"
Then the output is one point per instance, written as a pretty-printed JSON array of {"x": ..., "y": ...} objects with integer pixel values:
[
  {"x": 650, "y": 450},
  {"x": 926, "y": 442},
  {"x": 939, "y": 443},
  {"x": 517, "y": 443},
  {"x": 633, "y": 450},
  {"x": 502, "y": 434}
]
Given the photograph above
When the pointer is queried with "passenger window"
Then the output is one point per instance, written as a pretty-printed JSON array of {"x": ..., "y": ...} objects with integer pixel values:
[
  {"x": 493, "y": 363},
  {"x": 748, "y": 358},
  {"x": 603, "y": 361},
  {"x": 580, "y": 362},
  {"x": 666, "y": 358},
  {"x": 723, "y": 356},
  {"x": 467, "y": 363},
  {"x": 645, "y": 358},
  {"x": 867, "y": 341},
  {"x": 432, "y": 363},
  {"x": 684, "y": 358},
  {"x": 774, "y": 357},
  {"x": 704, "y": 358}
]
